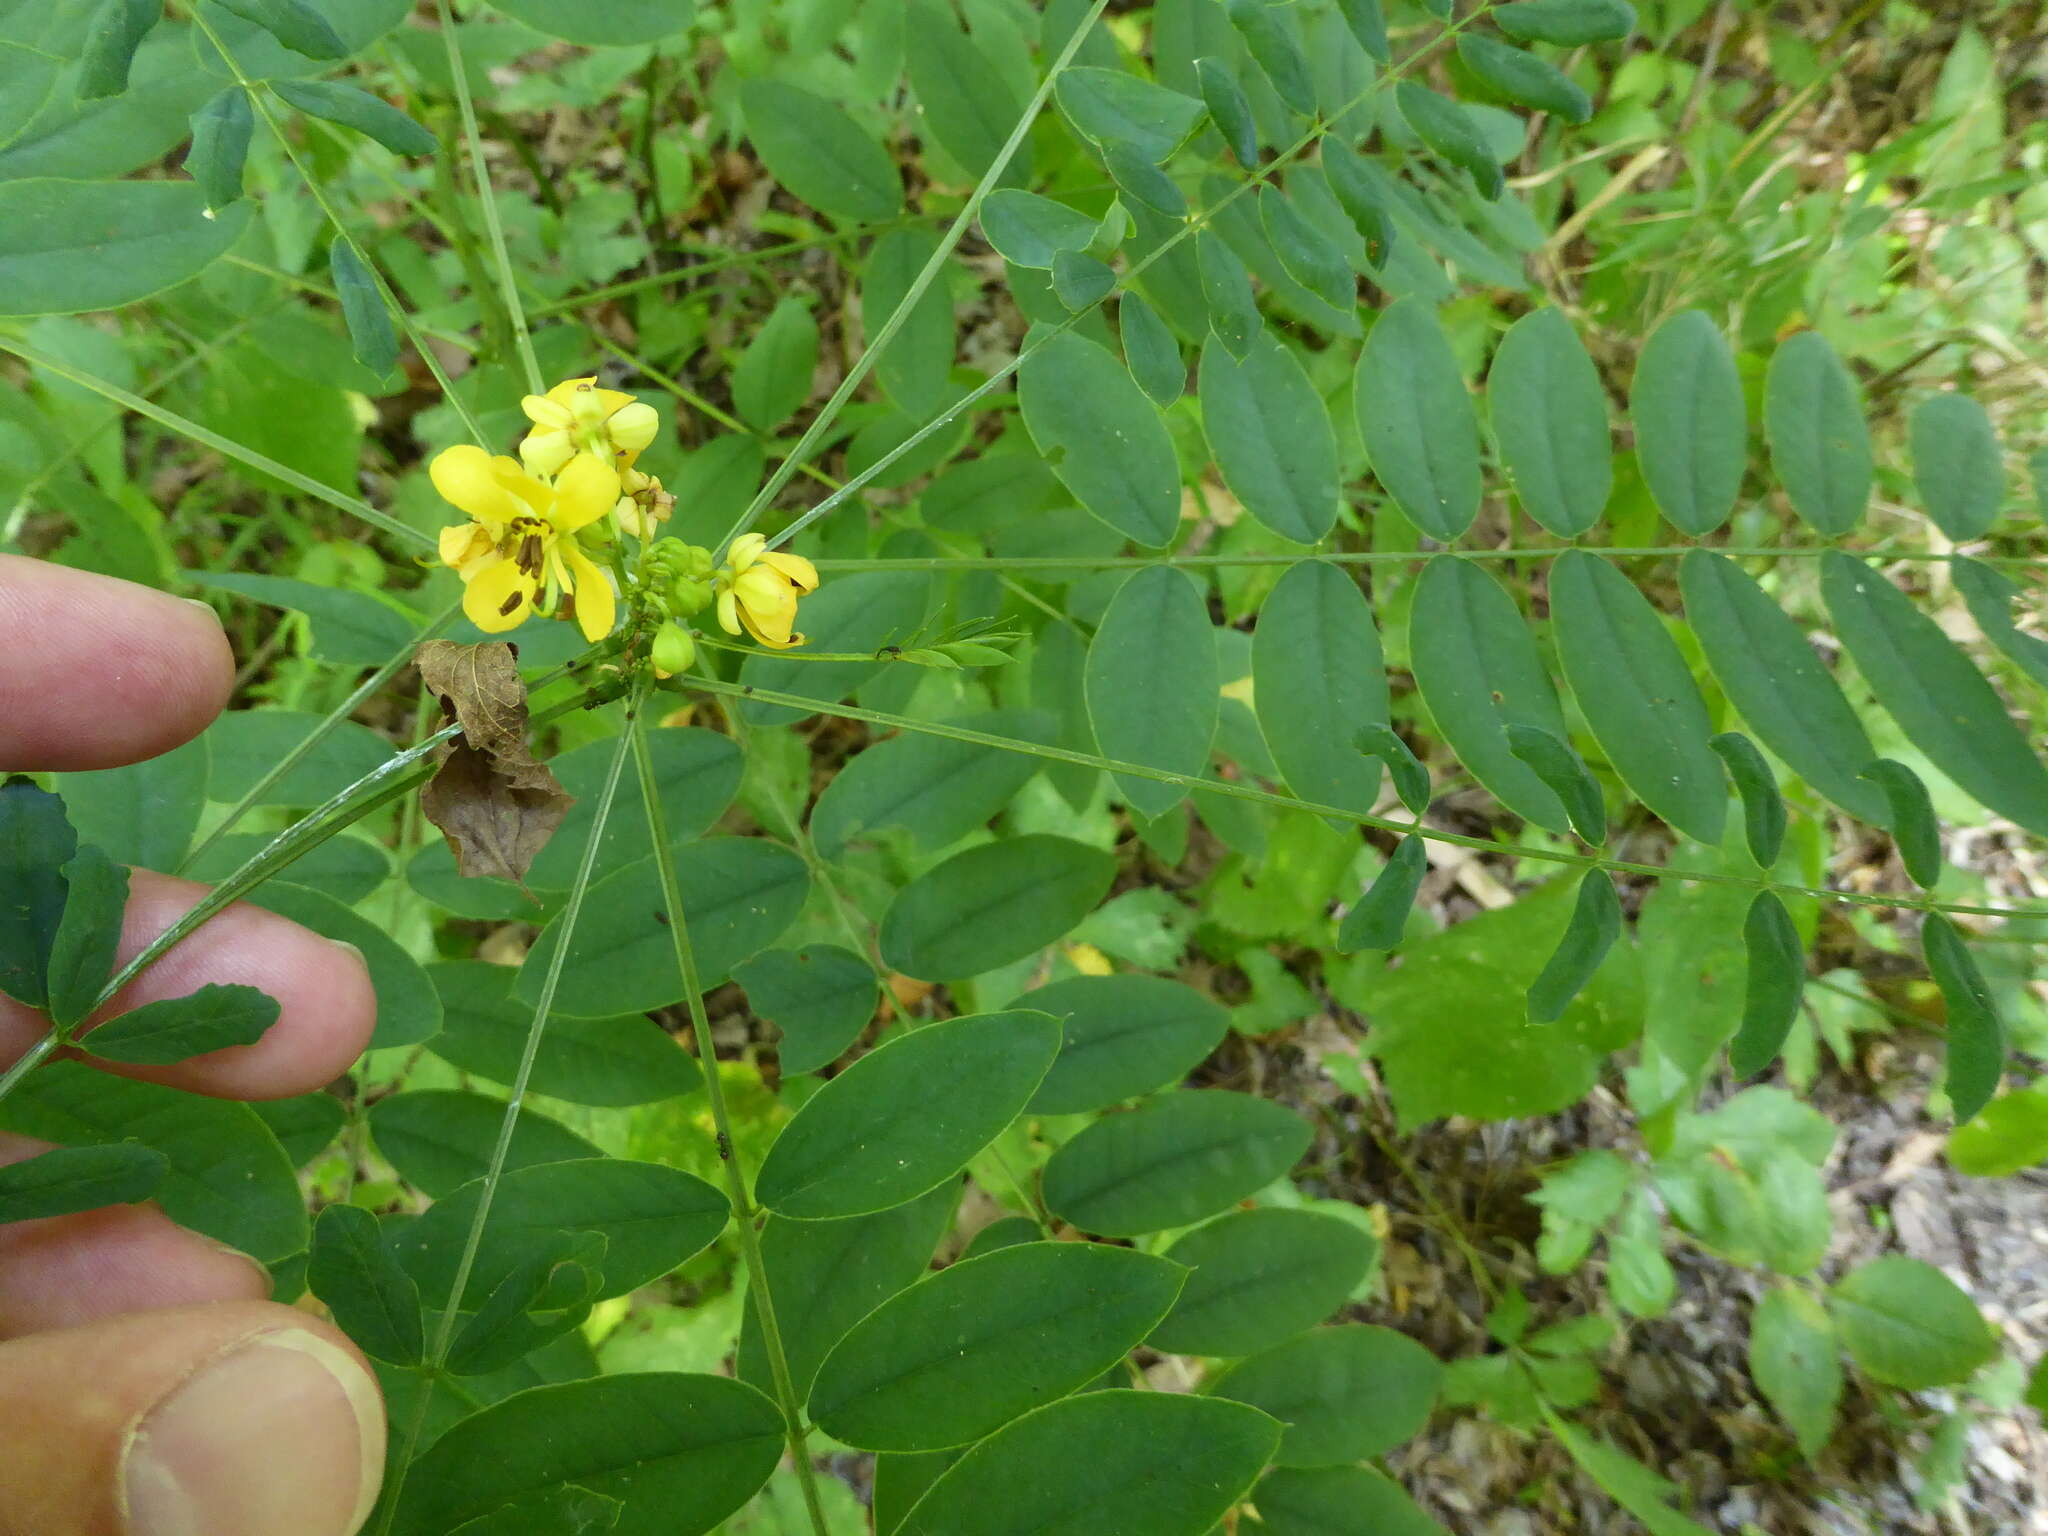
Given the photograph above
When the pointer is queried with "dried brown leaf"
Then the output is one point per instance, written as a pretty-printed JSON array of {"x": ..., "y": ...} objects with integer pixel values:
[{"x": 494, "y": 803}]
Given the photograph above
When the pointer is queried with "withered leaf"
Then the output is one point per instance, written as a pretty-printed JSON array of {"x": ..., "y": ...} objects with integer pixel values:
[{"x": 494, "y": 803}]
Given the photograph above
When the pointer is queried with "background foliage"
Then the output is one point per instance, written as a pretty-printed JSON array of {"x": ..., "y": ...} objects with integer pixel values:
[{"x": 1512, "y": 528}]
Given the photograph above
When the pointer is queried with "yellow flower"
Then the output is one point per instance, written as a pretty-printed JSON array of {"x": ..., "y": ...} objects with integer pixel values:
[
  {"x": 578, "y": 417},
  {"x": 519, "y": 553},
  {"x": 758, "y": 588}
]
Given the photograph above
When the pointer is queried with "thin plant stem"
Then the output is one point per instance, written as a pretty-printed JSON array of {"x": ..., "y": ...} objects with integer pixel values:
[
  {"x": 900, "y": 315},
  {"x": 348, "y": 706},
  {"x": 1389, "y": 557},
  {"x": 260, "y": 101},
  {"x": 728, "y": 1150},
  {"x": 1416, "y": 828},
  {"x": 172, "y": 421},
  {"x": 508, "y": 286},
  {"x": 444, "y": 1331}
]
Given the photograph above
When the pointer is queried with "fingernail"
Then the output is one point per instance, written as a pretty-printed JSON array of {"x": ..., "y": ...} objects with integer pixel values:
[
  {"x": 344, "y": 944},
  {"x": 261, "y": 1268},
  {"x": 283, "y": 1435},
  {"x": 204, "y": 607}
]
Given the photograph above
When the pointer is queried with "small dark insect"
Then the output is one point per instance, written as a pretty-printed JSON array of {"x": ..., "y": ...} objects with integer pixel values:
[
  {"x": 748, "y": 690},
  {"x": 891, "y": 651},
  {"x": 661, "y": 917},
  {"x": 724, "y": 1148}
]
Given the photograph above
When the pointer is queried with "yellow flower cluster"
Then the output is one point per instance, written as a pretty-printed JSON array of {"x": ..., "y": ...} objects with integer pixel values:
[{"x": 535, "y": 521}]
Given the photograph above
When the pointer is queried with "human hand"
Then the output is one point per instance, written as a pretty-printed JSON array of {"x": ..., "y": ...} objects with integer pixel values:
[{"x": 148, "y": 1387}]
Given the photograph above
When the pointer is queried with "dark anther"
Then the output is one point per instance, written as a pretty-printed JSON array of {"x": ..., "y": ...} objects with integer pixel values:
[{"x": 511, "y": 604}]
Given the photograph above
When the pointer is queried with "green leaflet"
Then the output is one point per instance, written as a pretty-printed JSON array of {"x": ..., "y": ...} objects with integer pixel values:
[
  {"x": 1227, "y": 289},
  {"x": 372, "y": 1299},
  {"x": 915, "y": 369},
  {"x": 1989, "y": 596},
  {"x": 1691, "y": 431},
  {"x": 772, "y": 379},
  {"x": 1378, "y": 918},
  {"x": 821, "y": 997},
  {"x": 1567, "y": 23},
  {"x": 962, "y": 1352},
  {"x": 968, "y": 105},
  {"x": 1309, "y": 256},
  {"x": 82, "y": 952},
  {"x": 1415, "y": 416},
  {"x": 1523, "y": 78},
  {"x": 1594, "y": 926},
  {"x": 992, "y": 904},
  {"x": 1776, "y": 982},
  {"x": 1150, "y": 351},
  {"x": 1271, "y": 436},
  {"x": 292, "y": 22},
  {"x": 1256, "y": 1278},
  {"x": 173, "y": 1028},
  {"x": 36, "y": 844},
  {"x": 1152, "y": 683},
  {"x": 1449, "y": 130},
  {"x": 1914, "y": 827},
  {"x": 1229, "y": 110},
  {"x": 1345, "y": 1393},
  {"x": 1906, "y": 1324},
  {"x": 1410, "y": 776},
  {"x": 1319, "y": 678},
  {"x": 1939, "y": 699},
  {"x": 1121, "y": 1036},
  {"x": 1763, "y": 808},
  {"x": 362, "y": 307},
  {"x": 70, "y": 246},
  {"x": 1138, "y": 1463},
  {"x": 1352, "y": 185},
  {"x": 869, "y": 1139},
  {"x": 1080, "y": 281},
  {"x": 67, "y": 1179},
  {"x": 118, "y": 28},
  {"x": 1029, "y": 231},
  {"x": 820, "y": 154},
  {"x": 1274, "y": 50},
  {"x": 1976, "y": 1034},
  {"x": 1780, "y": 687},
  {"x": 1477, "y": 668},
  {"x": 220, "y": 146},
  {"x": 1797, "y": 1364},
  {"x": 1549, "y": 416},
  {"x": 1957, "y": 467},
  {"x": 1557, "y": 765},
  {"x": 681, "y": 1452},
  {"x": 369, "y": 115},
  {"x": 1103, "y": 438},
  {"x": 1337, "y": 1501},
  {"x": 1113, "y": 106},
  {"x": 1637, "y": 693},
  {"x": 1820, "y": 446},
  {"x": 1174, "y": 1160},
  {"x": 1368, "y": 24}
]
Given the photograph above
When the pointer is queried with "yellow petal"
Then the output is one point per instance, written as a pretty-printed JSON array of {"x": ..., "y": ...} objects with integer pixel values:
[
  {"x": 468, "y": 480},
  {"x": 613, "y": 400},
  {"x": 545, "y": 451},
  {"x": 499, "y": 597},
  {"x": 744, "y": 550},
  {"x": 584, "y": 492},
  {"x": 459, "y": 543},
  {"x": 543, "y": 412},
  {"x": 728, "y": 612},
  {"x": 594, "y": 603},
  {"x": 801, "y": 573},
  {"x": 632, "y": 427},
  {"x": 564, "y": 394}
]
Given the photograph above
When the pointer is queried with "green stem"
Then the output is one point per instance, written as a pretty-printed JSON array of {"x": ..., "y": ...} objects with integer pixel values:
[
  {"x": 348, "y": 706},
  {"x": 900, "y": 315},
  {"x": 1387, "y": 557},
  {"x": 227, "y": 447},
  {"x": 1236, "y": 791},
  {"x": 508, "y": 286},
  {"x": 728, "y": 1149}
]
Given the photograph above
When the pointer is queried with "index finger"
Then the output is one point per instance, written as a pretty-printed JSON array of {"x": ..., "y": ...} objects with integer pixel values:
[{"x": 99, "y": 672}]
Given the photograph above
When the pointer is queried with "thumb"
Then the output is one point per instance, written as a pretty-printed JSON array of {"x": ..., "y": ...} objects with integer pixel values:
[{"x": 233, "y": 1418}]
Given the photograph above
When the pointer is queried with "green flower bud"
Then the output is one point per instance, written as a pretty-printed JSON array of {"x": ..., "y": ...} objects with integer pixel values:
[
  {"x": 689, "y": 596},
  {"x": 675, "y": 648}
]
